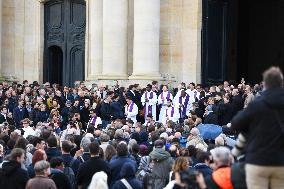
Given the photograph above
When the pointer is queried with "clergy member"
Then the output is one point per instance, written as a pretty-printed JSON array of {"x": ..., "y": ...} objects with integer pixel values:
[
  {"x": 149, "y": 101},
  {"x": 94, "y": 120},
  {"x": 131, "y": 110},
  {"x": 183, "y": 104},
  {"x": 163, "y": 99}
]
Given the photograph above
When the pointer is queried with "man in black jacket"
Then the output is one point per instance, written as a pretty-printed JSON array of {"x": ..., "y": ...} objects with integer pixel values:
[
  {"x": 262, "y": 122},
  {"x": 20, "y": 113},
  {"x": 57, "y": 174},
  {"x": 90, "y": 167},
  {"x": 3, "y": 114},
  {"x": 106, "y": 111},
  {"x": 12, "y": 176}
]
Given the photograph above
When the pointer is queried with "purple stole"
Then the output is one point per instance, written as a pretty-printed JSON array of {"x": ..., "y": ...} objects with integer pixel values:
[
  {"x": 149, "y": 106},
  {"x": 183, "y": 111},
  {"x": 168, "y": 95},
  {"x": 195, "y": 94},
  {"x": 172, "y": 111},
  {"x": 130, "y": 107},
  {"x": 94, "y": 119}
]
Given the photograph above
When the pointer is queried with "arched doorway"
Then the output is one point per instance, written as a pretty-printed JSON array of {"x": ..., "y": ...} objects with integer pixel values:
[
  {"x": 64, "y": 27},
  {"x": 54, "y": 65}
]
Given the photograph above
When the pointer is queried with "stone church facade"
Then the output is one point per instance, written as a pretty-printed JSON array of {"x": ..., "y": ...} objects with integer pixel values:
[{"x": 127, "y": 40}]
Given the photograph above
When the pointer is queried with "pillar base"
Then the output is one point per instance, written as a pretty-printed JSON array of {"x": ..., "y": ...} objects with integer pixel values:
[
  {"x": 112, "y": 77},
  {"x": 152, "y": 77}
]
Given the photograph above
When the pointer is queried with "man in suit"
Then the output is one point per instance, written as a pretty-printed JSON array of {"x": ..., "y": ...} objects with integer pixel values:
[
  {"x": 90, "y": 167},
  {"x": 3, "y": 114},
  {"x": 131, "y": 93},
  {"x": 20, "y": 113}
]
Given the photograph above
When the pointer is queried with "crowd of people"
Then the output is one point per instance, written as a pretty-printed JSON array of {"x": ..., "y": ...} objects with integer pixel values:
[{"x": 154, "y": 137}]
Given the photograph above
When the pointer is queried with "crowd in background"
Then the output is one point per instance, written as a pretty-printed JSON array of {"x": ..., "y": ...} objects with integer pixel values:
[{"x": 116, "y": 137}]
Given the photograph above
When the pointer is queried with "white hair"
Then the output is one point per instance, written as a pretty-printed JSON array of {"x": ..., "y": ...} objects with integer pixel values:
[
  {"x": 164, "y": 135},
  {"x": 99, "y": 181},
  {"x": 222, "y": 155},
  {"x": 194, "y": 131},
  {"x": 219, "y": 141}
]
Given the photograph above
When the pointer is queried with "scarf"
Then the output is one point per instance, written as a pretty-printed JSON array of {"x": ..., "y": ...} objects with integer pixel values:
[
  {"x": 130, "y": 107},
  {"x": 149, "y": 106},
  {"x": 168, "y": 95},
  {"x": 94, "y": 119},
  {"x": 182, "y": 110},
  {"x": 172, "y": 112}
]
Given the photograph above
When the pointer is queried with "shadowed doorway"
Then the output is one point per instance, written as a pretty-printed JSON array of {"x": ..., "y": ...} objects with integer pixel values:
[
  {"x": 64, "y": 41},
  {"x": 54, "y": 65},
  {"x": 240, "y": 39}
]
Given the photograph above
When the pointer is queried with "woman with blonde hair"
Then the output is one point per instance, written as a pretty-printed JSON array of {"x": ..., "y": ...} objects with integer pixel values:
[
  {"x": 99, "y": 181},
  {"x": 180, "y": 164}
]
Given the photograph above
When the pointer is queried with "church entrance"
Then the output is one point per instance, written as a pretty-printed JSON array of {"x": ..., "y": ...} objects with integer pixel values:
[
  {"x": 240, "y": 39},
  {"x": 64, "y": 41}
]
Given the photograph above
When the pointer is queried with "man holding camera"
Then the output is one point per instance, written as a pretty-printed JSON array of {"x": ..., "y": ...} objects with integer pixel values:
[{"x": 262, "y": 124}]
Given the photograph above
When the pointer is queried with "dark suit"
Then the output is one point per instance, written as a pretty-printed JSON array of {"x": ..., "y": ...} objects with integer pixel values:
[
  {"x": 2, "y": 118},
  {"x": 89, "y": 168},
  {"x": 19, "y": 114}
]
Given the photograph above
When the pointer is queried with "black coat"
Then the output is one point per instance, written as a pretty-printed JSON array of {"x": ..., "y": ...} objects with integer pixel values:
[
  {"x": 19, "y": 114},
  {"x": 211, "y": 118},
  {"x": 89, "y": 168},
  {"x": 2, "y": 119},
  {"x": 60, "y": 179},
  {"x": 116, "y": 110},
  {"x": 105, "y": 111},
  {"x": 261, "y": 121},
  {"x": 237, "y": 104},
  {"x": 225, "y": 114},
  {"x": 12, "y": 176}
]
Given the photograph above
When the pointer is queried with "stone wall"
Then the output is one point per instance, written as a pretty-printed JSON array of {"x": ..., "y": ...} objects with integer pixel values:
[
  {"x": 21, "y": 33},
  {"x": 180, "y": 40}
]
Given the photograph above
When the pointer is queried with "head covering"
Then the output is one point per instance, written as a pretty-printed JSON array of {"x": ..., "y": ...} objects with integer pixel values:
[
  {"x": 159, "y": 143},
  {"x": 143, "y": 150},
  {"x": 99, "y": 181}
]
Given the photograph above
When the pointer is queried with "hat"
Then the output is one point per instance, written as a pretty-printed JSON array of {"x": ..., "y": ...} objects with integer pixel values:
[
  {"x": 159, "y": 143},
  {"x": 143, "y": 150}
]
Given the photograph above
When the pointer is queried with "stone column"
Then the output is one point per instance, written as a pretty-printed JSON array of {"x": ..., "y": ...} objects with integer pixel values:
[
  {"x": 146, "y": 40},
  {"x": 94, "y": 39},
  {"x": 191, "y": 36},
  {"x": 115, "y": 14}
]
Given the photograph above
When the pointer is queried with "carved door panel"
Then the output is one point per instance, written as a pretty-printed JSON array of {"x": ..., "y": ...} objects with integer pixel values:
[
  {"x": 75, "y": 47},
  {"x": 64, "y": 28}
]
